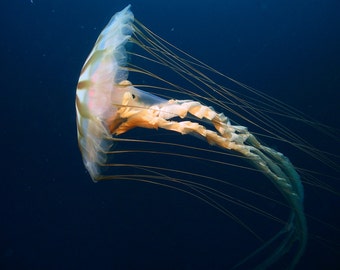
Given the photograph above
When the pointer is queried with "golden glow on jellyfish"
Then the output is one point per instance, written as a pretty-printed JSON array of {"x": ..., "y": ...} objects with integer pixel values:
[{"x": 128, "y": 133}]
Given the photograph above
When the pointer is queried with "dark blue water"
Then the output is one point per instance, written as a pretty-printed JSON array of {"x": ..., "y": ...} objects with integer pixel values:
[{"x": 52, "y": 216}]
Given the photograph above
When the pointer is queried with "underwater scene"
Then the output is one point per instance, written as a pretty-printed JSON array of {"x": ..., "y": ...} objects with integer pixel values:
[{"x": 170, "y": 135}]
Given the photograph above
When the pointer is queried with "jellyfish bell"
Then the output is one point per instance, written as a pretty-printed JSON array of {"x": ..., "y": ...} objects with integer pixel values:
[{"x": 110, "y": 106}]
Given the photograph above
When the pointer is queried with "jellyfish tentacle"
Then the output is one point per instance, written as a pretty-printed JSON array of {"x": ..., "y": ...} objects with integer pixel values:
[{"x": 271, "y": 163}]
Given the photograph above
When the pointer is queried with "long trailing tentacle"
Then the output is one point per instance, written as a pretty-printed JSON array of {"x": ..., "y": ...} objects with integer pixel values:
[{"x": 271, "y": 163}]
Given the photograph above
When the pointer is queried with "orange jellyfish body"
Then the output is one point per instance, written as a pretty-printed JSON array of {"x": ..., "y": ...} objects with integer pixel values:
[{"x": 108, "y": 105}]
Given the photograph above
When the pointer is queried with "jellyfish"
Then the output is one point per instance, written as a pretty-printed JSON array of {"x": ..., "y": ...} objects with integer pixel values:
[{"x": 110, "y": 107}]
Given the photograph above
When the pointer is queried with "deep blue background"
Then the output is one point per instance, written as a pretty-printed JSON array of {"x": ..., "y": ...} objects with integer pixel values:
[{"x": 52, "y": 216}]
